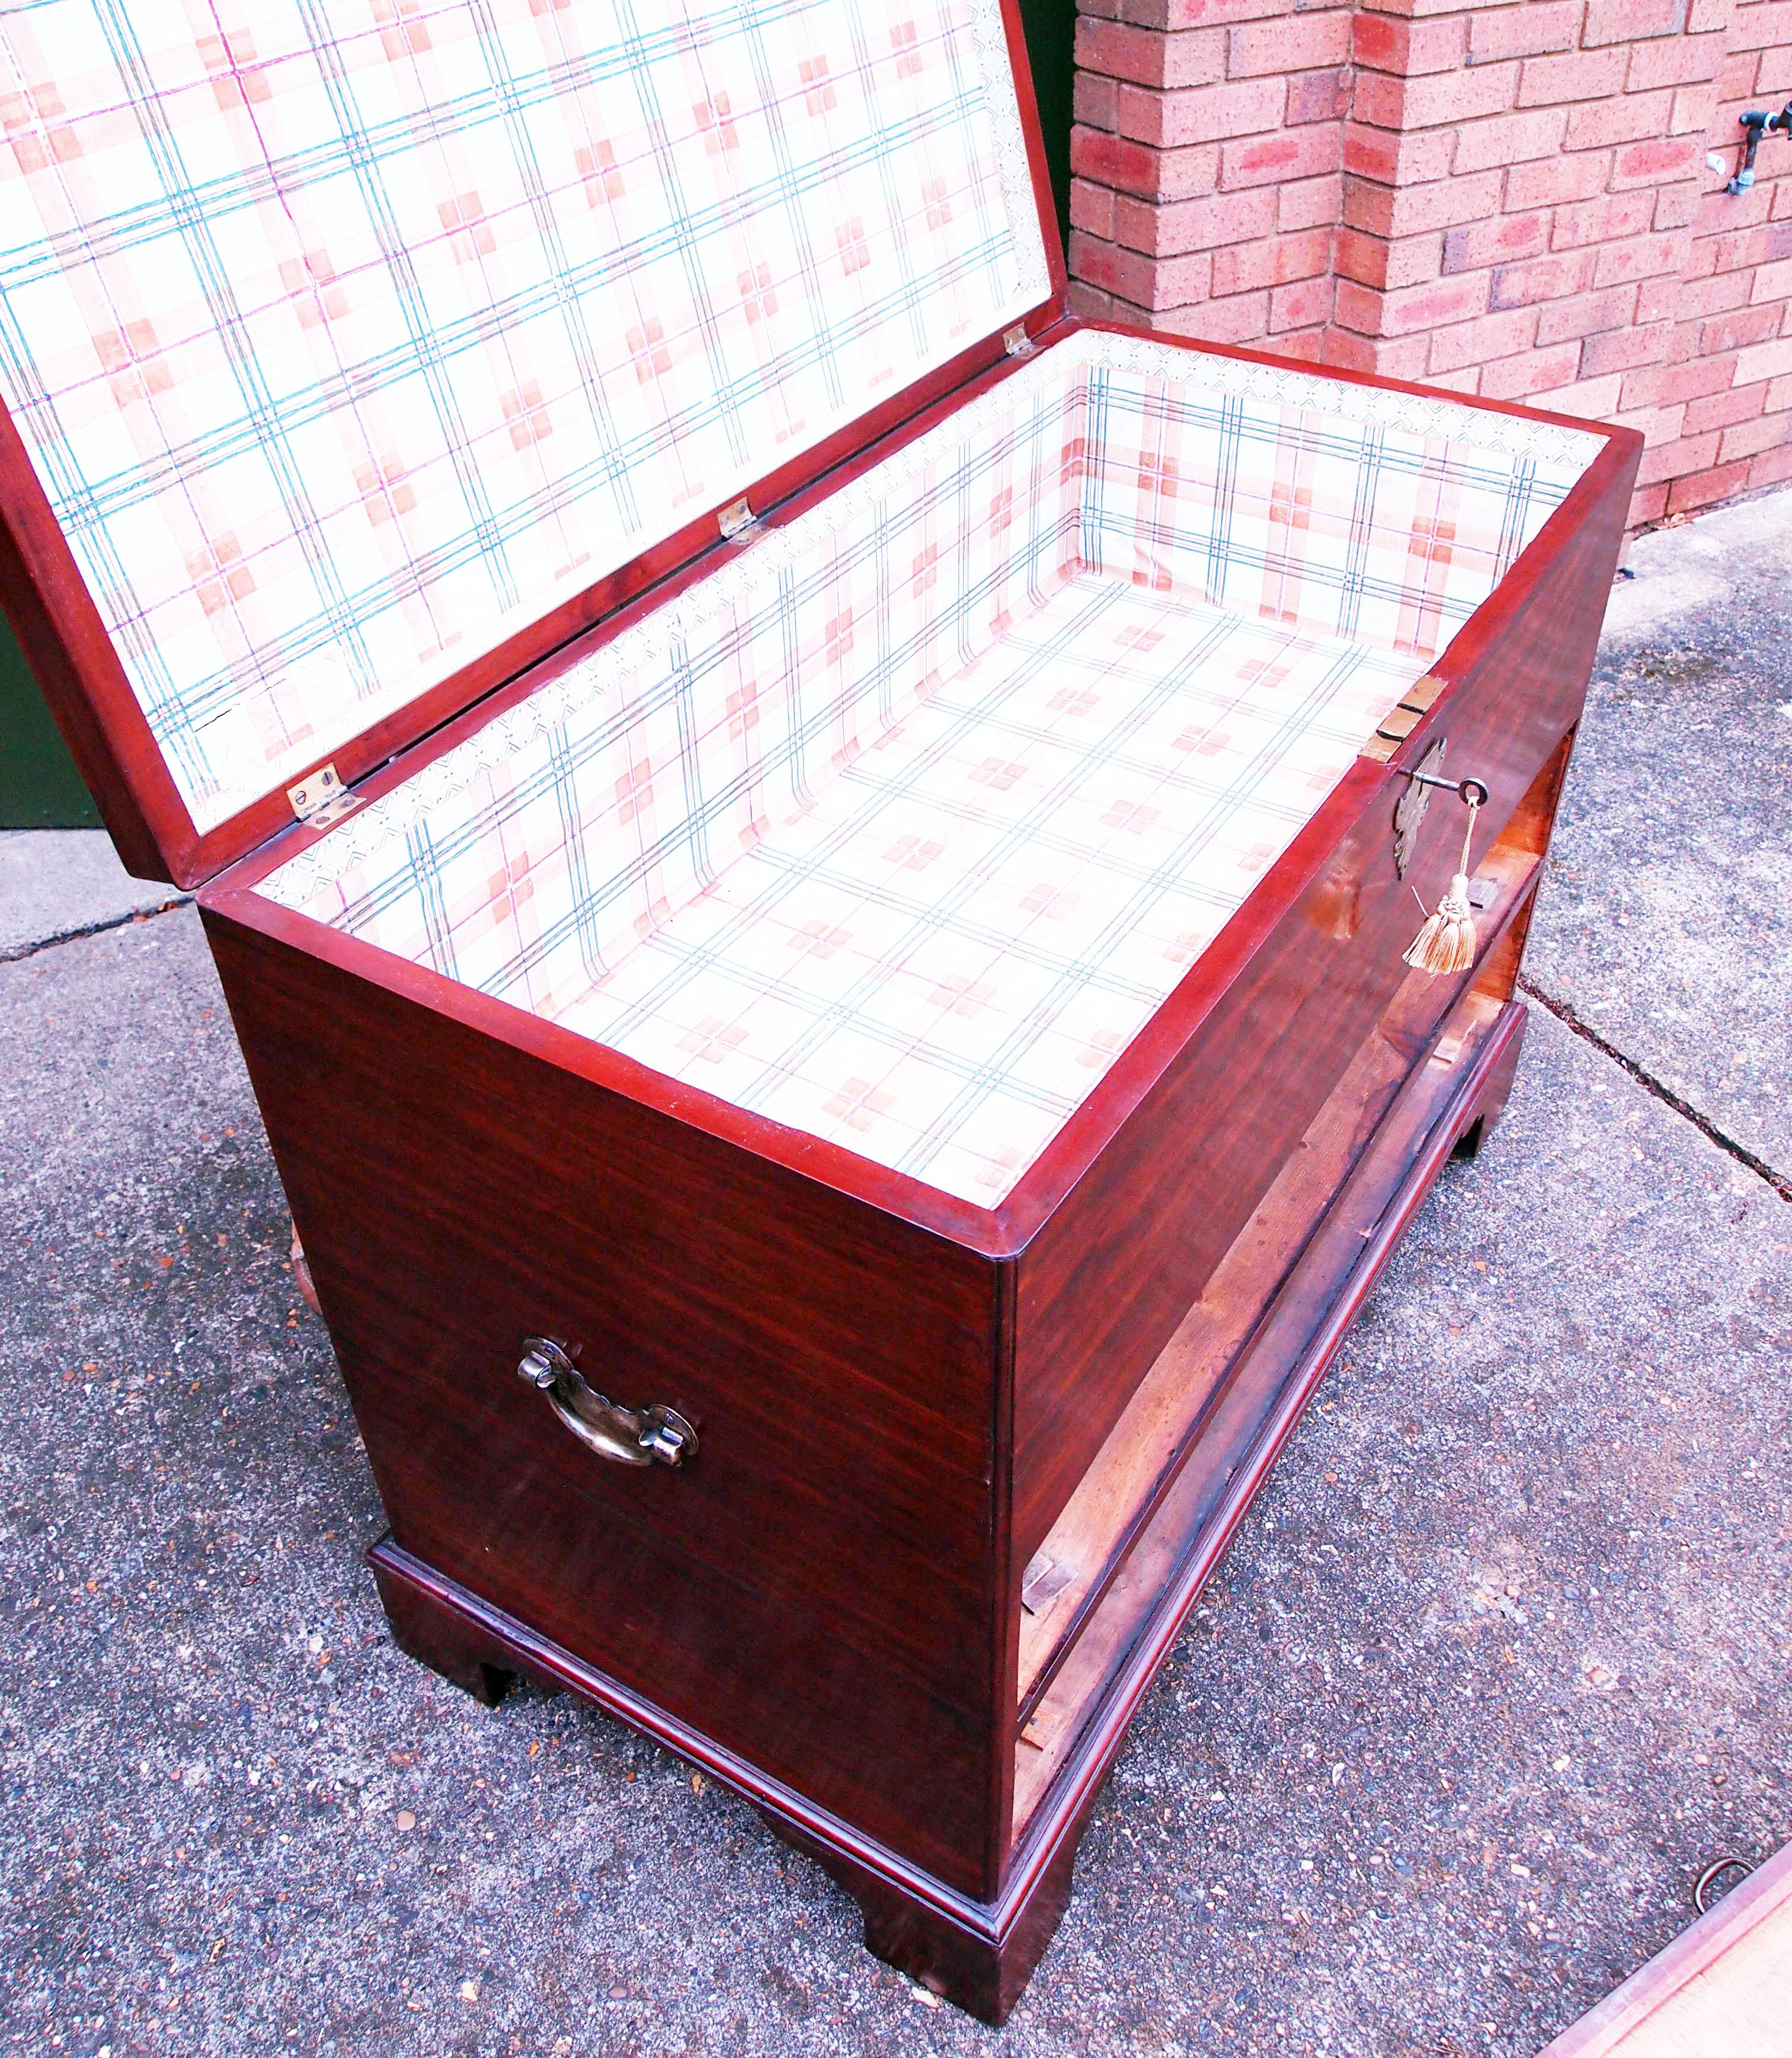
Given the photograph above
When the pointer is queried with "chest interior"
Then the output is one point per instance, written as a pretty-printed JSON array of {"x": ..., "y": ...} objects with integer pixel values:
[{"x": 900, "y": 825}]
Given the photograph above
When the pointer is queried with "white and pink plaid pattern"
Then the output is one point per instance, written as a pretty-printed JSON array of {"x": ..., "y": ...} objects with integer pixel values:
[
  {"x": 349, "y": 337},
  {"x": 900, "y": 829}
]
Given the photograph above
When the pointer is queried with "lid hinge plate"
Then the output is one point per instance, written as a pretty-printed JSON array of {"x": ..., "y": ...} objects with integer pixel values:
[
  {"x": 1017, "y": 342},
  {"x": 321, "y": 798},
  {"x": 739, "y": 524}
]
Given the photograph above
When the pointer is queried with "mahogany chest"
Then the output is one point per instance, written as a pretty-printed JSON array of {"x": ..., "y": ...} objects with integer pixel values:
[{"x": 807, "y": 852}]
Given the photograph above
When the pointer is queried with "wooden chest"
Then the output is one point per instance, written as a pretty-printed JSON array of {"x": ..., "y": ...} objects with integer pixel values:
[{"x": 806, "y": 850}]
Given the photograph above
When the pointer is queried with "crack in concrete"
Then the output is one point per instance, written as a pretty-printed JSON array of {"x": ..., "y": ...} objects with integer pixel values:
[
  {"x": 20, "y": 952},
  {"x": 1565, "y": 1015}
]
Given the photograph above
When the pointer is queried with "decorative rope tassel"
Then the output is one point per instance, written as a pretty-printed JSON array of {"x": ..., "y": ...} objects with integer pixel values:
[{"x": 1446, "y": 943}]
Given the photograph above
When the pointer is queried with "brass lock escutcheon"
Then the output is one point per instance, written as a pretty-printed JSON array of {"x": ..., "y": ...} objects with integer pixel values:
[{"x": 626, "y": 1435}]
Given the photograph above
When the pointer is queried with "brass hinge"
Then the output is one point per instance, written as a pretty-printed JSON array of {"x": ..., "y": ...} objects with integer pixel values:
[
  {"x": 321, "y": 798},
  {"x": 739, "y": 524},
  {"x": 1017, "y": 342}
]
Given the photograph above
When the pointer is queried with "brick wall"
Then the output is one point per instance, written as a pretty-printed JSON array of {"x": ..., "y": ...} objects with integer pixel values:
[{"x": 1510, "y": 200}]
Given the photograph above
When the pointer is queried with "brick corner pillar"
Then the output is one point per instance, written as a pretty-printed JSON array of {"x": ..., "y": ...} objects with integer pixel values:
[
  {"x": 1510, "y": 200},
  {"x": 1205, "y": 163}
]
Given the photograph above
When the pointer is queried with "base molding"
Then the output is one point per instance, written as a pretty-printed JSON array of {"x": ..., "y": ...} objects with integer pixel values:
[{"x": 977, "y": 1954}]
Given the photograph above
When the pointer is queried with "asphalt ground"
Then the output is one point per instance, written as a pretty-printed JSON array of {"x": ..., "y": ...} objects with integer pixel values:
[{"x": 1500, "y": 1658}]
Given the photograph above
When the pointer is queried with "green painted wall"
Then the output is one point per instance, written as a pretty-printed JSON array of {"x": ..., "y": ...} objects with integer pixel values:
[
  {"x": 1051, "y": 27},
  {"x": 39, "y": 786}
]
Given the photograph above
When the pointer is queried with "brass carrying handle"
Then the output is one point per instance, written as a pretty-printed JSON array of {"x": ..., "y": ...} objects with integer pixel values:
[{"x": 626, "y": 1435}]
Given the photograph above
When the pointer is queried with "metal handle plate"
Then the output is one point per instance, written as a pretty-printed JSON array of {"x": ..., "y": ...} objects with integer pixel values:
[{"x": 625, "y": 1436}]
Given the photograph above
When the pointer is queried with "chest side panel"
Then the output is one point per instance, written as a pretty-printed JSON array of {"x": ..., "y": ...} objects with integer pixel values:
[
  {"x": 812, "y": 1588},
  {"x": 1105, "y": 1282}
]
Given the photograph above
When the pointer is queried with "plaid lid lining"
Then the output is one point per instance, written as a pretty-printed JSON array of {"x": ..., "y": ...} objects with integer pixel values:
[{"x": 348, "y": 338}]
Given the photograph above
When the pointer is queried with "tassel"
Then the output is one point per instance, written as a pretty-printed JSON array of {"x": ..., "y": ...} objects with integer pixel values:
[{"x": 1446, "y": 943}]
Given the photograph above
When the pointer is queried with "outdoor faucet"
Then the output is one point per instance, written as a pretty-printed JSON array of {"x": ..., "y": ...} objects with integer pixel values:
[{"x": 1756, "y": 124}]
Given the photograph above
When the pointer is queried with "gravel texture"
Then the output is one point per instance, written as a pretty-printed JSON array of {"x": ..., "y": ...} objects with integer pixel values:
[{"x": 1498, "y": 1661}]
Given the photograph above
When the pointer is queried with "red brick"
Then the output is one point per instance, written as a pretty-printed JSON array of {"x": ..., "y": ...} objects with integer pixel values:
[
  {"x": 1779, "y": 394},
  {"x": 1703, "y": 14},
  {"x": 1092, "y": 208},
  {"x": 1735, "y": 78},
  {"x": 1624, "y": 118},
  {"x": 1698, "y": 486},
  {"x": 1675, "y": 460},
  {"x": 1289, "y": 153},
  {"x": 1393, "y": 159},
  {"x": 1675, "y": 205},
  {"x": 1587, "y": 314},
  {"x": 1134, "y": 167},
  {"x": 1623, "y": 350},
  {"x": 1308, "y": 346},
  {"x": 1602, "y": 220},
  {"x": 1509, "y": 139},
  {"x": 1422, "y": 103},
  {"x": 1629, "y": 21},
  {"x": 1661, "y": 157},
  {"x": 1467, "y": 381},
  {"x": 1579, "y": 75},
  {"x": 1095, "y": 100},
  {"x": 1660, "y": 300},
  {"x": 1407, "y": 308},
  {"x": 1658, "y": 425},
  {"x": 1734, "y": 331},
  {"x": 1772, "y": 282},
  {"x": 1673, "y": 61},
  {"x": 1543, "y": 279},
  {"x": 1640, "y": 258},
  {"x": 1772, "y": 79},
  {"x": 1764, "y": 360},
  {"x": 1294, "y": 307},
  {"x": 1244, "y": 318},
  {"x": 1371, "y": 261},
  {"x": 1523, "y": 32},
  {"x": 1534, "y": 371},
  {"x": 1410, "y": 210},
  {"x": 1309, "y": 203},
  {"x": 1090, "y": 301},
  {"x": 1592, "y": 400},
  {"x": 1114, "y": 268},
  {"x": 1296, "y": 42},
  {"x": 1691, "y": 112},
  {"x": 1318, "y": 96},
  {"x": 1749, "y": 438},
  {"x": 1398, "y": 357},
  {"x": 1713, "y": 296},
  {"x": 1410, "y": 48},
  {"x": 1204, "y": 114},
  {"x": 1481, "y": 340},
  {"x": 1502, "y": 240},
  {"x": 1771, "y": 468},
  {"x": 1273, "y": 261},
  {"x": 1146, "y": 58},
  {"x": 1656, "y": 385},
  {"x": 1647, "y": 504},
  {"x": 1558, "y": 181},
  {"x": 1200, "y": 13},
  {"x": 1179, "y": 226}
]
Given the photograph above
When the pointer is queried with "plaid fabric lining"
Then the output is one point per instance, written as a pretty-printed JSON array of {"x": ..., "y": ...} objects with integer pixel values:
[
  {"x": 900, "y": 828},
  {"x": 349, "y": 337}
]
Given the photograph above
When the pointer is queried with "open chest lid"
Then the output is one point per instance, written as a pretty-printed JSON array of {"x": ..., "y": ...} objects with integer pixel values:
[{"x": 354, "y": 353}]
